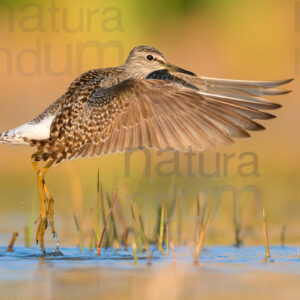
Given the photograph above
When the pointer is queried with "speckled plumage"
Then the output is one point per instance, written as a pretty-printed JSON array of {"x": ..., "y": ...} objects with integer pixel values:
[
  {"x": 145, "y": 103},
  {"x": 149, "y": 104}
]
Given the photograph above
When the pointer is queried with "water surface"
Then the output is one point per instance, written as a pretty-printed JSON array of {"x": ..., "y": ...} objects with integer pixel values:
[{"x": 222, "y": 272}]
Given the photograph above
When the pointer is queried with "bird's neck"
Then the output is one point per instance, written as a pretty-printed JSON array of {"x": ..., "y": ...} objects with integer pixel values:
[{"x": 132, "y": 71}]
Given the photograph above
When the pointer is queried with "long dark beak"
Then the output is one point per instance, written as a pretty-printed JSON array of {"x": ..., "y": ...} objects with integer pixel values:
[{"x": 177, "y": 69}]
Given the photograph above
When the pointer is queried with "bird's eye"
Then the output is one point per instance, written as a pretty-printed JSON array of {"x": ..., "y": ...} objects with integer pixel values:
[{"x": 149, "y": 57}]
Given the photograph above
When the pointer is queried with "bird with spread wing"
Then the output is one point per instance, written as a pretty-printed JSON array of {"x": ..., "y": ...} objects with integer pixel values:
[{"x": 147, "y": 103}]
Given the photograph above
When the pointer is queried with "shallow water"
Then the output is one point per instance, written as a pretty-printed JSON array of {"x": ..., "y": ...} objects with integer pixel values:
[
  {"x": 25, "y": 274},
  {"x": 253, "y": 257}
]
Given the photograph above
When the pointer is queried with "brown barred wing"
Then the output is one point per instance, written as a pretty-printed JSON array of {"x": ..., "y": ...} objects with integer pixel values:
[{"x": 162, "y": 115}]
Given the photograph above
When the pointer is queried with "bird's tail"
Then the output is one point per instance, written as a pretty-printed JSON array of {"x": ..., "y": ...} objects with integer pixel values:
[
  {"x": 23, "y": 134},
  {"x": 6, "y": 138},
  {"x": 11, "y": 137}
]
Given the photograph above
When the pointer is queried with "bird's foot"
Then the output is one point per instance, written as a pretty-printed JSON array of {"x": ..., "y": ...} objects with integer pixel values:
[
  {"x": 40, "y": 232},
  {"x": 50, "y": 217}
]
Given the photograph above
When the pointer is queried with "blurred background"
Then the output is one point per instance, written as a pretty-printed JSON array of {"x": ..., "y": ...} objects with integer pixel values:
[{"x": 45, "y": 45}]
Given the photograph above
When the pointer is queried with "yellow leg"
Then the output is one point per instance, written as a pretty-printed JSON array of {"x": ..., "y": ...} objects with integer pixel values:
[
  {"x": 49, "y": 210},
  {"x": 50, "y": 216},
  {"x": 43, "y": 191}
]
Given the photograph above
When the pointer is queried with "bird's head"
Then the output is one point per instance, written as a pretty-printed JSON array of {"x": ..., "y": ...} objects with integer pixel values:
[{"x": 143, "y": 60}]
